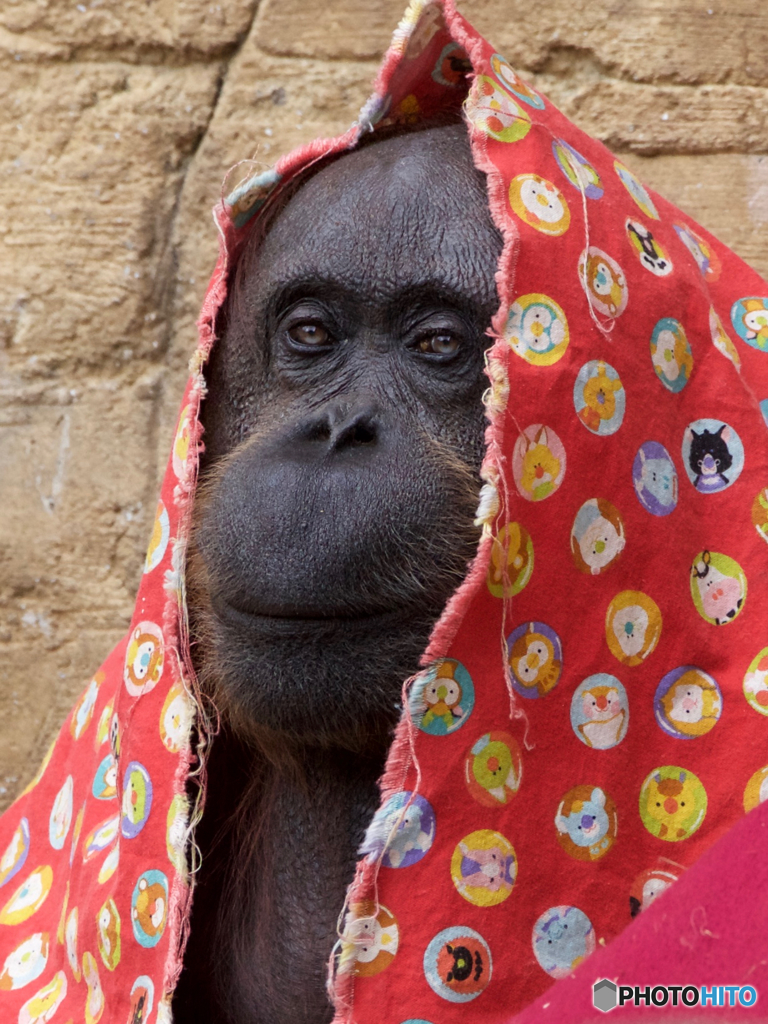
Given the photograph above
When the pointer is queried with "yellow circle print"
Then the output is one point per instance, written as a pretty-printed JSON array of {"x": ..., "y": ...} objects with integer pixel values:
[{"x": 484, "y": 868}]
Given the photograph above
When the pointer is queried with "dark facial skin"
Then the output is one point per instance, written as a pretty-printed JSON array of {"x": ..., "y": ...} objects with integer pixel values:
[{"x": 344, "y": 433}]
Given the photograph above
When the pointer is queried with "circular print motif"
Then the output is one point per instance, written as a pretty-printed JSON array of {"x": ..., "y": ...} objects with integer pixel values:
[
  {"x": 104, "y": 785},
  {"x": 83, "y": 710},
  {"x": 649, "y": 884},
  {"x": 539, "y": 203},
  {"x": 750, "y": 321},
  {"x": 688, "y": 702},
  {"x": 655, "y": 479},
  {"x": 70, "y": 943},
  {"x": 586, "y": 822},
  {"x": 149, "y": 908},
  {"x": 636, "y": 189},
  {"x": 537, "y": 329},
  {"x": 649, "y": 251},
  {"x": 457, "y": 964},
  {"x": 484, "y": 868},
  {"x": 673, "y": 803},
  {"x": 581, "y": 174},
  {"x": 600, "y": 711},
  {"x": 137, "y": 799},
  {"x": 760, "y": 513},
  {"x": 29, "y": 897},
  {"x": 603, "y": 282},
  {"x": 706, "y": 258},
  {"x": 493, "y": 111},
  {"x": 108, "y": 928},
  {"x": 452, "y": 66},
  {"x": 100, "y": 838},
  {"x": 713, "y": 455},
  {"x": 632, "y": 626},
  {"x": 598, "y": 397},
  {"x": 44, "y": 1003},
  {"x": 535, "y": 658},
  {"x": 25, "y": 963},
  {"x": 175, "y": 719},
  {"x": 756, "y": 791},
  {"x": 402, "y": 831},
  {"x": 493, "y": 768},
  {"x": 538, "y": 462},
  {"x": 16, "y": 852},
  {"x": 182, "y": 442},
  {"x": 597, "y": 536},
  {"x": 176, "y": 832},
  {"x": 371, "y": 939},
  {"x": 423, "y": 31},
  {"x": 61, "y": 815},
  {"x": 718, "y": 587},
  {"x": 756, "y": 682},
  {"x": 562, "y": 938},
  {"x": 158, "y": 542},
  {"x": 511, "y": 564},
  {"x": 144, "y": 659},
  {"x": 109, "y": 864},
  {"x": 510, "y": 80},
  {"x": 671, "y": 354},
  {"x": 721, "y": 341},
  {"x": 102, "y": 729},
  {"x": 442, "y": 698},
  {"x": 142, "y": 1000},
  {"x": 94, "y": 1001}
]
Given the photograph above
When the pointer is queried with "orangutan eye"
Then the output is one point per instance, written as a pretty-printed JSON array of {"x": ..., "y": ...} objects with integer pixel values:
[
  {"x": 441, "y": 343},
  {"x": 309, "y": 335}
]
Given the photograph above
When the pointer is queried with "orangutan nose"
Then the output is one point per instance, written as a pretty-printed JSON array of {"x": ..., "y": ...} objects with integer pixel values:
[{"x": 341, "y": 427}]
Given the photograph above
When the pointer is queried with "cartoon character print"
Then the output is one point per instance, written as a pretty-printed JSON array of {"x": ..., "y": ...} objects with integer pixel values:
[
  {"x": 600, "y": 711},
  {"x": 492, "y": 110},
  {"x": 755, "y": 682},
  {"x": 109, "y": 864},
  {"x": 756, "y": 790},
  {"x": 29, "y": 897},
  {"x": 636, "y": 189},
  {"x": 562, "y": 938},
  {"x": 718, "y": 587},
  {"x": 597, "y": 536},
  {"x": 149, "y": 908},
  {"x": 176, "y": 825},
  {"x": 137, "y": 799},
  {"x": 604, "y": 282},
  {"x": 721, "y": 341},
  {"x": 83, "y": 710},
  {"x": 158, "y": 542},
  {"x": 142, "y": 1000},
  {"x": 370, "y": 940},
  {"x": 402, "y": 831},
  {"x": 442, "y": 698},
  {"x": 241, "y": 203},
  {"x": 760, "y": 513},
  {"x": 713, "y": 455},
  {"x": 538, "y": 462},
  {"x": 45, "y": 1002},
  {"x": 108, "y": 929},
  {"x": 535, "y": 658},
  {"x": 655, "y": 479},
  {"x": 750, "y": 321},
  {"x": 25, "y": 963},
  {"x": 705, "y": 255},
  {"x": 176, "y": 719},
  {"x": 493, "y": 769},
  {"x": 457, "y": 964},
  {"x": 452, "y": 66},
  {"x": 144, "y": 659},
  {"x": 100, "y": 837},
  {"x": 540, "y": 204},
  {"x": 673, "y": 803},
  {"x": 581, "y": 174},
  {"x": 15, "y": 854},
  {"x": 586, "y": 823},
  {"x": 649, "y": 250},
  {"x": 61, "y": 815},
  {"x": 688, "y": 702},
  {"x": 104, "y": 785},
  {"x": 511, "y": 563},
  {"x": 183, "y": 439},
  {"x": 484, "y": 868},
  {"x": 599, "y": 398},
  {"x": 512, "y": 81},
  {"x": 650, "y": 884},
  {"x": 537, "y": 329},
  {"x": 423, "y": 31},
  {"x": 94, "y": 1000},
  {"x": 632, "y": 626},
  {"x": 102, "y": 728},
  {"x": 671, "y": 354},
  {"x": 70, "y": 943}
]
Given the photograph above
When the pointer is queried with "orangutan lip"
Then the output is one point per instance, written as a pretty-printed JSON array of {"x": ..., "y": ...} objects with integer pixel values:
[{"x": 256, "y": 619}]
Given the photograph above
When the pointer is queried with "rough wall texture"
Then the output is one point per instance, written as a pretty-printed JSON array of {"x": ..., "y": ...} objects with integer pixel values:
[{"x": 118, "y": 119}]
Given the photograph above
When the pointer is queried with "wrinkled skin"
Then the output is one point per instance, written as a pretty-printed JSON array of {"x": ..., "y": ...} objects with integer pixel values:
[{"x": 344, "y": 434}]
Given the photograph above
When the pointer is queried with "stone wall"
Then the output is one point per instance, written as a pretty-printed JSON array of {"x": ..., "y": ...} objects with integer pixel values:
[{"x": 118, "y": 119}]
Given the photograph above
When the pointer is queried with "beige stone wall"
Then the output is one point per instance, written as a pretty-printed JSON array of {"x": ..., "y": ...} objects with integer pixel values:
[{"x": 118, "y": 119}]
